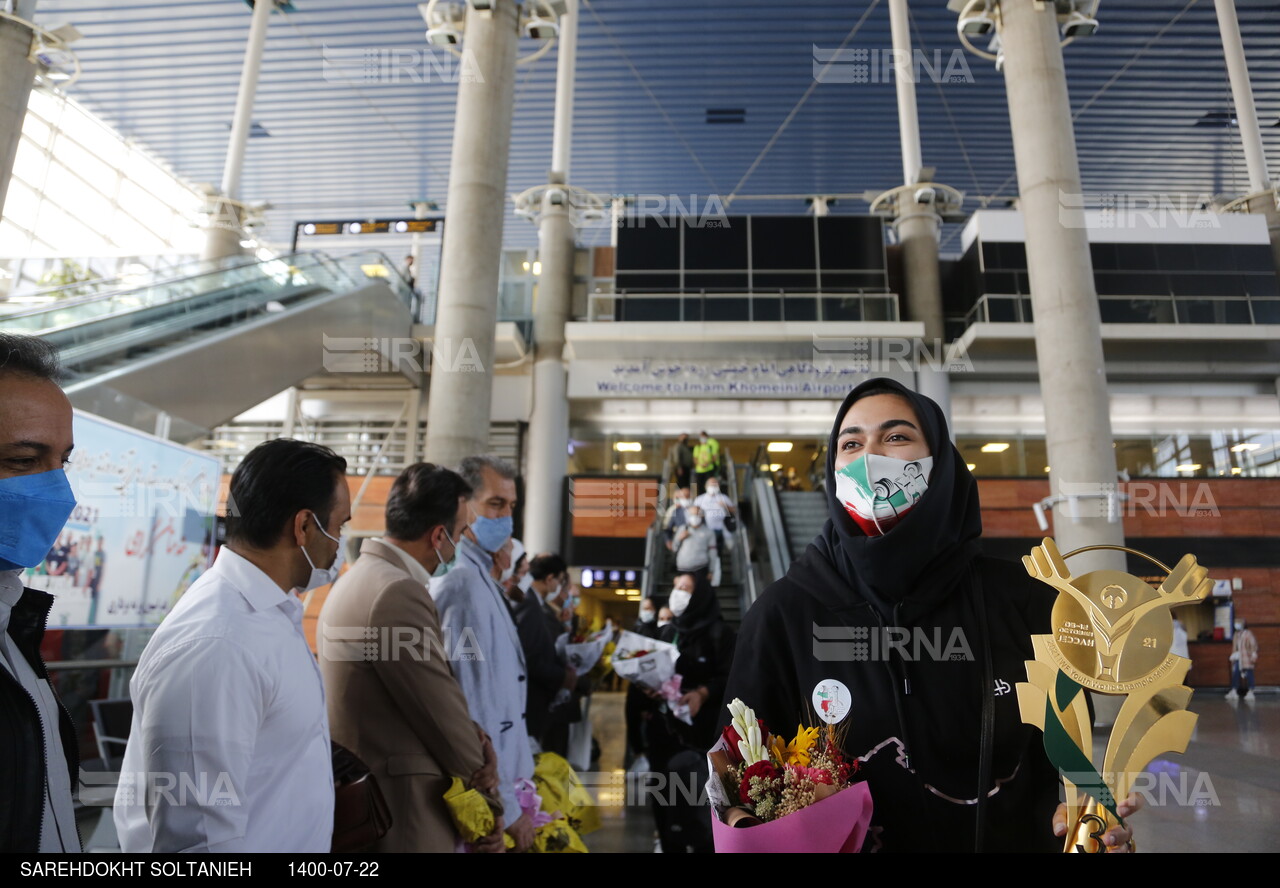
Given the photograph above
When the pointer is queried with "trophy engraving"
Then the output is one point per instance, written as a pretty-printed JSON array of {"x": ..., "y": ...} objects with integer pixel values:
[{"x": 1112, "y": 634}]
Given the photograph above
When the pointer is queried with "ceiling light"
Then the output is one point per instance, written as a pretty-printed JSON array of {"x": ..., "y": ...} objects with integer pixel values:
[
  {"x": 1241, "y": 448},
  {"x": 970, "y": 466},
  {"x": 1046, "y": 468},
  {"x": 779, "y": 447},
  {"x": 587, "y": 578},
  {"x": 773, "y": 467},
  {"x": 1236, "y": 470},
  {"x": 637, "y": 467},
  {"x": 995, "y": 447},
  {"x": 627, "y": 446},
  {"x": 1187, "y": 467},
  {"x": 537, "y": 267}
]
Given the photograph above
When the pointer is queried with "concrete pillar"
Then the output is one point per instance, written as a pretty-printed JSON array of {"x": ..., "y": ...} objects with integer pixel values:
[
  {"x": 1255, "y": 157},
  {"x": 413, "y": 416},
  {"x": 461, "y": 390},
  {"x": 917, "y": 222},
  {"x": 16, "y": 76},
  {"x": 549, "y": 420},
  {"x": 1067, "y": 324},
  {"x": 223, "y": 241}
]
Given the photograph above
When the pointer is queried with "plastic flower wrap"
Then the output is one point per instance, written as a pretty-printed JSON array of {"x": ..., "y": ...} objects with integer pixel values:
[
  {"x": 771, "y": 794},
  {"x": 651, "y": 664},
  {"x": 562, "y": 791},
  {"x": 470, "y": 812}
]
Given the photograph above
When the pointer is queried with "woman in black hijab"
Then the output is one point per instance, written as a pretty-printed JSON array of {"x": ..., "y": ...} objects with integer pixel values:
[
  {"x": 706, "y": 645},
  {"x": 893, "y": 625}
]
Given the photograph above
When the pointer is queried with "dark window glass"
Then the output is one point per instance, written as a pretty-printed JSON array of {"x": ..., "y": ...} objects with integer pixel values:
[
  {"x": 1266, "y": 311},
  {"x": 1027, "y": 315},
  {"x": 636, "y": 282},
  {"x": 1253, "y": 257},
  {"x": 1014, "y": 256},
  {"x": 799, "y": 308},
  {"x": 720, "y": 245},
  {"x": 1136, "y": 257},
  {"x": 1149, "y": 284},
  {"x": 731, "y": 309},
  {"x": 1174, "y": 257},
  {"x": 1000, "y": 282},
  {"x": 782, "y": 242},
  {"x": 1105, "y": 257},
  {"x": 838, "y": 281},
  {"x": 1213, "y": 311},
  {"x": 647, "y": 242},
  {"x": 1260, "y": 284},
  {"x": 1113, "y": 283},
  {"x": 991, "y": 258},
  {"x": 704, "y": 280},
  {"x": 855, "y": 242},
  {"x": 1213, "y": 257},
  {"x": 837, "y": 309},
  {"x": 1207, "y": 284},
  {"x": 664, "y": 309},
  {"x": 766, "y": 308},
  {"x": 1002, "y": 311},
  {"x": 783, "y": 281}
]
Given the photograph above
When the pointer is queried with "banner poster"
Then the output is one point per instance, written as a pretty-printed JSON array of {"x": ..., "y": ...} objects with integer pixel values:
[{"x": 141, "y": 533}]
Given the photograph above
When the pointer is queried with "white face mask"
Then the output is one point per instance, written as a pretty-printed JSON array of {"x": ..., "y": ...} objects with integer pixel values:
[
  {"x": 324, "y": 576},
  {"x": 662, "y": 623},
  {"x": 526, "y": 583},
  {"x": 683, "y": 502},
  {"x": 679, "y": 601},
  {"x": 713, "y": 489},
  {"x": 695, "y": 520},
  {"x": 647, "y": 616},
  {"x": 506, "y": 574}
]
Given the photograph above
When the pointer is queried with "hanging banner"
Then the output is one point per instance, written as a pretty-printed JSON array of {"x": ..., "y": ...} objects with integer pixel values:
[
  {"x": 825, "y": 379},
  {"x": 141, "y": 532}
]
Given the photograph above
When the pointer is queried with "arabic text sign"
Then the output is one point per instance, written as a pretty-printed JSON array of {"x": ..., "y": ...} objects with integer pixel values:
[
  {"x": 141, "y": 531},
  {"x": 824, "y": 380}
]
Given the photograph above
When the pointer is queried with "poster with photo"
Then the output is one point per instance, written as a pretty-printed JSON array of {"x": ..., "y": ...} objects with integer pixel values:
[{"x": 141, "y": 533}]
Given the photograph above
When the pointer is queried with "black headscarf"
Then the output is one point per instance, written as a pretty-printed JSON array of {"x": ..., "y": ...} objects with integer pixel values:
[
  {"x": 920, "y": 559},
  {"x": 702, "y": 612}
]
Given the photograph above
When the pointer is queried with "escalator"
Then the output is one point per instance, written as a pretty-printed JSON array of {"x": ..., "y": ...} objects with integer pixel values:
[{"x": 198, "y": 349}]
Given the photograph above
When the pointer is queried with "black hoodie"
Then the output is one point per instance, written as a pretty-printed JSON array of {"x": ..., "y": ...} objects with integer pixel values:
[{"x": 929, "y": 640}]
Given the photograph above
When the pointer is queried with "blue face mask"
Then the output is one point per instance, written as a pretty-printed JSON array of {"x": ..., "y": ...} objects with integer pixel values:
[
  {"x": 491, "y": 533},
  {"x": 445, "y": 566},
  {"x": 33, "y": 509}
]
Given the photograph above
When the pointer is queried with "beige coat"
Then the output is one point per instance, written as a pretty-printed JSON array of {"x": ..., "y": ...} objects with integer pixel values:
[{"x": 396, "y": 704}]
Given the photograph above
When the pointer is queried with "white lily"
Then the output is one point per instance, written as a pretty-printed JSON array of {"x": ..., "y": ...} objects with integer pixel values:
[{"x": 751, "y": 745}]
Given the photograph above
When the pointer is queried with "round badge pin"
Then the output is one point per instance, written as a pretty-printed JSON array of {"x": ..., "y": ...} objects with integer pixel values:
[{"x": 831, "y": 700}]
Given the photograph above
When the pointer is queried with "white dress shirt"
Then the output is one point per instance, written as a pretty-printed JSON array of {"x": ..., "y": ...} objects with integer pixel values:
[
  {"x": 229, "y": 747},
  {"x": 58, "y": 821}
]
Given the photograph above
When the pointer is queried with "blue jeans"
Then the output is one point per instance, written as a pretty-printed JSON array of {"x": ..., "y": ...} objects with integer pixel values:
[{"x": 1235, "y": 678}]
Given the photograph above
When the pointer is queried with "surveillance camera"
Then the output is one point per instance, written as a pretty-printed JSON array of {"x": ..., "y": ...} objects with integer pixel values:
[
  {"x": 538, "y": 28},
  {"x": 976, "y": 25},
  {"x": 1079, "y": 25},
  {"x": 443, "y": 35},
  {"x": 926, "y": 195},
  {"x": 557, "y": 197}
]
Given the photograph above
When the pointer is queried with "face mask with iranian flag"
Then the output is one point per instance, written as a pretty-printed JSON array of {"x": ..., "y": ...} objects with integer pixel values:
[{"x": 878, "y": 490}]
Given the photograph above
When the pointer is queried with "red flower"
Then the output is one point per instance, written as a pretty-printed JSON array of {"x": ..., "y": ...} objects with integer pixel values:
[
  {"x": 818, "y": 775},
  {"x": 763, "y": 770}
]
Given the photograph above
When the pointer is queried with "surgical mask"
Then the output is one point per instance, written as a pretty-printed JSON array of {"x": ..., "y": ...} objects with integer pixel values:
[
  {"x": 33, "y": 509},
  {"x": 324, "y": 576},
  {"x": 877, "y": 491},
  {"x": 679, "y": 601},
  {"x": 506, "y": 573},
  {"x": 445, "y": 566},
  {"x": 1239, "y": 625},
  {"x": 662, "y": 623},
  {"x": 702, "y": 438},
  {"x": 713, "y": 489},
  {"x": 683, "y": 502},
  {"x": 647, "y": 616},
  {"x": 695, "y": 520},
  {"x": 491, "y": 533},
  {"x": 552, "y": 592},
  {"x": 526, "y": 583}
]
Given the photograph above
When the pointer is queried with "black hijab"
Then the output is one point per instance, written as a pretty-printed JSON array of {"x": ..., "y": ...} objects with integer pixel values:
[
  {"x": 922, "y": 557},
  {"x": 703, "y": 611}
]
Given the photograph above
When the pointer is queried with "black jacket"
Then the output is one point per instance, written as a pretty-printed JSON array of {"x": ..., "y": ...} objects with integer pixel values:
[
  {"x": 929, "y": 640},
  {"x": 22, "y": 761},
  {"x": 546, "y": 672}
]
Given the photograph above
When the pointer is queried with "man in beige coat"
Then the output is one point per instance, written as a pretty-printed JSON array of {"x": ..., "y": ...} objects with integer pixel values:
[{"x": 392, "y": 696}]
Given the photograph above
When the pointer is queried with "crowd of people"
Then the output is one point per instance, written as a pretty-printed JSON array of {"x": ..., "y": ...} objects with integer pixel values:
[{"x": 439, "y": 665}]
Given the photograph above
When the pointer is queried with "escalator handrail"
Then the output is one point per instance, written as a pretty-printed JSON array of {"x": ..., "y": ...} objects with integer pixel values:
[
  {"x": 133, "y": 288},
  {"x": 178, "y": 272}
]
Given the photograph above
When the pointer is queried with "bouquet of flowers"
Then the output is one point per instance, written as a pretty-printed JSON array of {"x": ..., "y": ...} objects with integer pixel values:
[
  {"x": 651, "y": 664},
  {"x": 774, "y": 795}
]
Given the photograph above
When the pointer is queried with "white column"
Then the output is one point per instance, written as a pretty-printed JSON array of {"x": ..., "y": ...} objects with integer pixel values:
[
  {"x": 917, "y": 222},
  {"x": 549, "y": 421},
  {"x": 1067, "y": 323},
  {"x": 221, "y": 242},
  {"x": 16, "y": 76},
  {"x": 461, "y": 393},
  {"x": 1255, "y": 157}
]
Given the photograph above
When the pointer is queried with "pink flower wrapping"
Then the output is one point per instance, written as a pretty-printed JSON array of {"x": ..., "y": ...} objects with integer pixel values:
[{"x": 837, "y": 824}]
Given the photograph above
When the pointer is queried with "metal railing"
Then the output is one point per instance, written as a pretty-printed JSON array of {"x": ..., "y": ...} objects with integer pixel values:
[
  {"x": 1017, "y": 309},
  {"x": 771, "y": 306}
]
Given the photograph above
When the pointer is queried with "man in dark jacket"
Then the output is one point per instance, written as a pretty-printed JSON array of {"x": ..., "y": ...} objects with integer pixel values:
[
  {"x": 895, "y": 628},
  {"x": 547, "y": 674},
  {"x": 39, "y": 761}
]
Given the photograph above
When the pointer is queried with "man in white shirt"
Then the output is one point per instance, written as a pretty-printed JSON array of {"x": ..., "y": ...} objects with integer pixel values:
[
  {"x": 229, "y": 746},
  {"x": 38, "y": 755},
  {"x": 715, "y": 507}
]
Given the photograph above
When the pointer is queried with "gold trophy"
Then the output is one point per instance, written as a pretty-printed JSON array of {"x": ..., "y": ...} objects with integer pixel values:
[{"x": 1111, "y": 634}]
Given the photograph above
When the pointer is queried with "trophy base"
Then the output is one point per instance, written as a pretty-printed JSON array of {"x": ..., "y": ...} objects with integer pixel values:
[{"x": 1092, "y": 824}]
